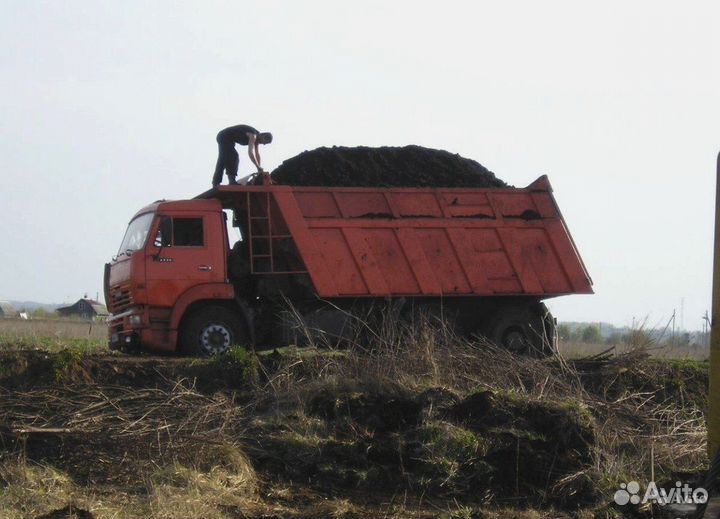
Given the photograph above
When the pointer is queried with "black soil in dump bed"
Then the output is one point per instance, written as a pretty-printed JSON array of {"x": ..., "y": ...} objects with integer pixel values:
[{"x": 362, "y": 166}]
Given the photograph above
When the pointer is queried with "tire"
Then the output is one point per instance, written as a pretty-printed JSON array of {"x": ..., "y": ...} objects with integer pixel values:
[
  {"x": 211, "y": 330},
  {"x": 550, "y": 346},
  {"x": 525, "y": 330}
]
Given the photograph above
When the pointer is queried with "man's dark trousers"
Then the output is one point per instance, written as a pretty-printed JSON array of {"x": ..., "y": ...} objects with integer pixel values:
[{"x": 228, "y": 160}]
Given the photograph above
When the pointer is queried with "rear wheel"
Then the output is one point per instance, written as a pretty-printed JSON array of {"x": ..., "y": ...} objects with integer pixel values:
[
  {"x": 211, "y": 330},
  {"x": 526, "y": 330}
]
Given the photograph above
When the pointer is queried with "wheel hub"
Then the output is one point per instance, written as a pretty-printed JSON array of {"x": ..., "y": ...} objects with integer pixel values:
[
  {"x": 515, "y": 340},
  {"x": 215, "y": 338}
]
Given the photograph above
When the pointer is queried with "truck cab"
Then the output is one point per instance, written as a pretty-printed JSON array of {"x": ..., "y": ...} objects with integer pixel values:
[{"x": 173, "y": 255}]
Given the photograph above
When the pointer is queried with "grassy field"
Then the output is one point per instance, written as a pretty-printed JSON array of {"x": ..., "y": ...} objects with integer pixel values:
[
  {"x": 53, "y": 334},
  {"x": 576, "y": 350},
  {"x": 413, "y": 423}
]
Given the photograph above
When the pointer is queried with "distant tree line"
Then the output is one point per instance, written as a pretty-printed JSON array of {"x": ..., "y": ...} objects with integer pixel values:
[
  {"x": 40, "y": 313},
  {"x": 591, "y": 334}
]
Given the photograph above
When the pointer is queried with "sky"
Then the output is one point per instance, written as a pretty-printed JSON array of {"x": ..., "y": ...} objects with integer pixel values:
[{"x": 108, "y": 106}]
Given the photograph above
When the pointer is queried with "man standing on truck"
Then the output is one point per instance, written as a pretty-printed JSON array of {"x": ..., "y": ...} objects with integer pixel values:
[{"x": 228, "y": 159}]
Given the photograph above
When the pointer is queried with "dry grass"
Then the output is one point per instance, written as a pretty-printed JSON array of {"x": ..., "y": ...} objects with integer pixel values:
[
  {"x": 176, "y": 491},
  {"x": 30, "y": 489},
  {"x": 646, "y": 413},
  {"x": 177, "y": 451},
  {"x": 576, "y": 350},
  {"x": 179, "y": 412},
  {"x": 309, "y": 420},
  {"x": 415, "y": 358},
  {"x": 60, "y": 328}
]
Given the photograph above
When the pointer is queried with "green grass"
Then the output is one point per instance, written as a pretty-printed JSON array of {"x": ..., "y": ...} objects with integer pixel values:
[
  {"x": 238, "y": 359},
  {"x": 685, "y": 364},
  {"x": 52, "y": 344},
  {"x": 64, "y": 363}
]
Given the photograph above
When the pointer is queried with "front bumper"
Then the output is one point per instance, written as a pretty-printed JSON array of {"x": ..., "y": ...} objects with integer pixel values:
[
  {"x": 125, "y": 329},
  {"x": 142, "y": 327},
  {"x": 121, "y": 340}
]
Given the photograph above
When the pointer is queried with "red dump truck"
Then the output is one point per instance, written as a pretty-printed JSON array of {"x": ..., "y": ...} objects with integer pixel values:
[{"x": 485, "y": 258}]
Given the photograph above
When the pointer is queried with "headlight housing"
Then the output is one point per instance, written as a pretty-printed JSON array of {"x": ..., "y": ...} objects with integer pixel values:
[{"x": 135, "y": 320}]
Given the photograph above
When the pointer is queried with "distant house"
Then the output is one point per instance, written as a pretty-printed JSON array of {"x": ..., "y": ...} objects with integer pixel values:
[
  {"x": 7, "y": 310},
  {"x": 84, "y": 308}
]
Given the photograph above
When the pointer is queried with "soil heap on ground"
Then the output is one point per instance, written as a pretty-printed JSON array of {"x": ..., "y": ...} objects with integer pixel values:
[{"x": 362, "y": 166}]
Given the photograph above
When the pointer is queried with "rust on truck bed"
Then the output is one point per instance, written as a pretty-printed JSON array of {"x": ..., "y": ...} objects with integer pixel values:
[{"x": 418, "y": 242}]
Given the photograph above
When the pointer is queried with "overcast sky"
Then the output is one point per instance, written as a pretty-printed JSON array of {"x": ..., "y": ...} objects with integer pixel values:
[{"x": 107, "y": 106}]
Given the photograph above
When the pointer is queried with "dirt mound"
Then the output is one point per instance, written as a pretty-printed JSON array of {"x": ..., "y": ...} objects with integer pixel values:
[
  {"x": 376, "y": 411},
  {"x": 67, "y": 512},
  {"x": 533, "y": 444},
  {"x": 362, "y": 166},
  {"x": 351, "y": 436},
  {"x": 424, "y": 416}
]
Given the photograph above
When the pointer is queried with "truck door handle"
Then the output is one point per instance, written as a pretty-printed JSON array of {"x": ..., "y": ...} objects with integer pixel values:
[{"x": 205, "y": 268}]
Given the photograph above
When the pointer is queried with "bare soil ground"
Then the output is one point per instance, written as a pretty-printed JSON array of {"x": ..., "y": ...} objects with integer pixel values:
[{"x": 416, "y": 423}]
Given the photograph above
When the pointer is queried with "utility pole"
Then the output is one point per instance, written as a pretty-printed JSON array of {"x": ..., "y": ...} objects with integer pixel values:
[
  {"x": 713, "y": 416},
  {"x": 672, "y": 336},
  {"x": 682, "y": 313},
  {"x": 706, "y": 329}
]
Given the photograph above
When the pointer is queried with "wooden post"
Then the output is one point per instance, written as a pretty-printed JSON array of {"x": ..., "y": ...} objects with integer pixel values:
[{"x": 713, "y": 418}]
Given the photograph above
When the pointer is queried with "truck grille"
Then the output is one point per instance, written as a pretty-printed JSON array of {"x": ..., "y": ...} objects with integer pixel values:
[{"x": 120, "y": 299}]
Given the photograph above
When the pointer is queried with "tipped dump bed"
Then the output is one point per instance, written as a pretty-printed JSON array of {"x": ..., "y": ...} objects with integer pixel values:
[{"x": 376, "y": 242}]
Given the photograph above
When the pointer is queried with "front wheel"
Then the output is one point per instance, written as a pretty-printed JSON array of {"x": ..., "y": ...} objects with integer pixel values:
[{"x": 211, "y": 330}]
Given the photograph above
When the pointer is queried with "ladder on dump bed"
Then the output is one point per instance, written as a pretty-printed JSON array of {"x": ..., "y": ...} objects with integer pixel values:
[{"x": 271, "y": 245}]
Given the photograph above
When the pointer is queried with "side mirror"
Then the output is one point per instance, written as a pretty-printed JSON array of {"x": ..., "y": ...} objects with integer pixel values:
[{"x": 163, "y": 238}]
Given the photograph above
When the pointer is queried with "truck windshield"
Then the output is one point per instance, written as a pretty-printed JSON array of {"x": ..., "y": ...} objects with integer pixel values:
[{"x": 136, "y": 234}]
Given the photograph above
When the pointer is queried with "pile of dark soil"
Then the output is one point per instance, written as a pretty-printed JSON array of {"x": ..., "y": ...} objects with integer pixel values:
[
  {"x": 362, "y": 166},
  {"x": 432, "y": 443},
  {"x": 67, "y": 512}
]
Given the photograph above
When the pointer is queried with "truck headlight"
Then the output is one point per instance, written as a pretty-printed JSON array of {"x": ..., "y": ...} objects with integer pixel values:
[{"x": 135, "y": 320}]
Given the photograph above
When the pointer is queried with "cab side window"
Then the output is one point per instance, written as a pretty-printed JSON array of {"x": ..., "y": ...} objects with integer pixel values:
[
  {"x": 188, "y": 232},
  {"x": 180, "y": 232}
]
